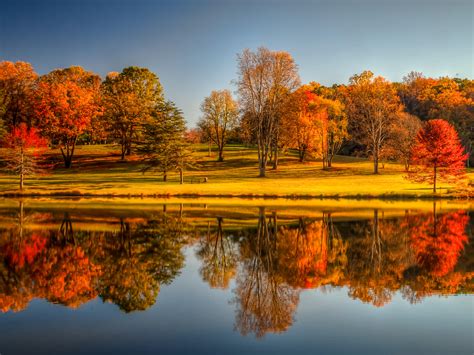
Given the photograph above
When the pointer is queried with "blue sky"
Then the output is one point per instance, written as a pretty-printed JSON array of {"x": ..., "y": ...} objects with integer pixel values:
[{"x": 192, "y": 44}]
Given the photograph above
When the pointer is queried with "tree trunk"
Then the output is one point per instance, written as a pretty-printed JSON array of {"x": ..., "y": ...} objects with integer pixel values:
[
  {"x": 68, "y": 162},
  {"x": 209, "y": 147},
  {"x": 434, "y": 179},
  {"x": 301, "y": 153},
  {"x": 181, "y": 177},
  {"x": 165, "y": 176},
  {"x": 122, "y": 152},
  {"x": 275, "y": 158},
  {"x": 376, "y": 163},
  {"x": 262, "y": 168},
  {"x": 22, "y": 168},
  {"x": 221, "y": 154}
]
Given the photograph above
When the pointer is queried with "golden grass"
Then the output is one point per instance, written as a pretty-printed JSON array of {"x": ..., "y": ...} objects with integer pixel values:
[{"x": 97, "y": 170}]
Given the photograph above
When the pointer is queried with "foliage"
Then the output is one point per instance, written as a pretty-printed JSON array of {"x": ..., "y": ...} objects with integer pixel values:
[
  {"x": 450, "y": 98},
  {"x": 163, "y": 146},
  {"x": 25, "y": 149},
  {"x": 402, "y": 139},
  {"x": 220, "y": 115},
  {"x": 65, "y": 103},
  {"x": 129, "y": 100},
  {"x": 17, "y": 82},
  {"x": 438, "y": 154},
  {"x": 372, "y": 106}
]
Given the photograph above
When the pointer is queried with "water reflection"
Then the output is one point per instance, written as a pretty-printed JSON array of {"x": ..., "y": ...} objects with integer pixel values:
[{"x": 268, "y": 257}]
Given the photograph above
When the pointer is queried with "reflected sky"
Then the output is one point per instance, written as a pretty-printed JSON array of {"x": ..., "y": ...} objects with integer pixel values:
[{"x": 195, "y": 313}]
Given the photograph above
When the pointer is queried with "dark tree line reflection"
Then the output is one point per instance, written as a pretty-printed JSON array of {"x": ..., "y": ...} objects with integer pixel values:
[{"x": 267, "y": 263}]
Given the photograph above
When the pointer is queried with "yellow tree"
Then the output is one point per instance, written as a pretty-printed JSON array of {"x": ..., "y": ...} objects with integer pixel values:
[{"x": 220, "y": 115}]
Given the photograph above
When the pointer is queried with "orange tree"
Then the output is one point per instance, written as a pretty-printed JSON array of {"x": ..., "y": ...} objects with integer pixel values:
[
  {"x": 66, "y": 102},
  {"x": 16, "y": 87}
]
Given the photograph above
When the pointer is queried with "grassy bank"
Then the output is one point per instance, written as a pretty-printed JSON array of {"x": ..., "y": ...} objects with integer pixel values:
[{"x": 98, "y": 171}]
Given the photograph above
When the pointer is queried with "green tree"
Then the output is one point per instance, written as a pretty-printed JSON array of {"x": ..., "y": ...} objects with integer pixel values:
[
  {"x": 163, "y": 146},
  {"x": 129, "y": 99}
]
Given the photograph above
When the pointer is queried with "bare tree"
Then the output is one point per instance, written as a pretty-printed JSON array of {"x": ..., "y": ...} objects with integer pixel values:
[
  {"x": 265, "y": 79},
  {"x": 220, "y": 114},
  {"x": 402, "y": 139}
]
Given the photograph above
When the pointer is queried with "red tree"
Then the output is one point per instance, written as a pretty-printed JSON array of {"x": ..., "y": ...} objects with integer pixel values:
[
  {"x": 438, "y": 154},
  {"x": 24, "y": 150},
  {"x": 66, "y": 101}
]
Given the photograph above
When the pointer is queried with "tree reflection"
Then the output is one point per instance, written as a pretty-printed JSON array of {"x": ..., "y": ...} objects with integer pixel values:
[
  {"x": 312, "y": 254},
  {"x": 265, "y": 302},
  {"x": 273, "y": 258},
  {"x": 377, "y": 257},
  {"x": 139, "y": 259},
  {"x": 72, "y": 267},
  {"x": 219, "y": 256}
]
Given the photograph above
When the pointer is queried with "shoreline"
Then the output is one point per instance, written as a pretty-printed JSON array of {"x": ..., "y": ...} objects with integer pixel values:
[{"x": 386, "y": 197}]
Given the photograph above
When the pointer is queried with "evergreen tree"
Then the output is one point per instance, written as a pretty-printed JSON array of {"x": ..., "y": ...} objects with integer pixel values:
[{"x": 163, "y": 146}]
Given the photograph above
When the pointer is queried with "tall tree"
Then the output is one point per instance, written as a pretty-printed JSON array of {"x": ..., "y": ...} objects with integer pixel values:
[
  {"x": 220, "y": 115},
  {"x": 265, "y": 80},
  {"x": 130, "y": 97},
  {"x": 372, "y": 104},
  {"x": 163, "y": 146},
  {"x": 65, "y": 103},
  {"x": 17, "y": 82},
  {"x": 25, "y": 148},
  {"x": 438, "y": 154}
]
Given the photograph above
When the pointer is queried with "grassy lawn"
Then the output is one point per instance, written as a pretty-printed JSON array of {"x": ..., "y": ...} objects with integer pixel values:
[{"x": 97, "y": 170}]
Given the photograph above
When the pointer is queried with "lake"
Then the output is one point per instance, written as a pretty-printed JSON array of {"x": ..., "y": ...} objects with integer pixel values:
[{"x": 236, "y": 277}]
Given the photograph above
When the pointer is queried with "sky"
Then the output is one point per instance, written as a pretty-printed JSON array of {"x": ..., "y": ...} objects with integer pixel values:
[{"x": 192, "y": 45}]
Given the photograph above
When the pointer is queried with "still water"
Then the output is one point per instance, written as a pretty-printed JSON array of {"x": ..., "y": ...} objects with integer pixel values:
[{"x": 112, "y": 277}]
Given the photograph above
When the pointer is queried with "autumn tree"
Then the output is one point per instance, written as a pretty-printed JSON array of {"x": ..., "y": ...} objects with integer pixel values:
[
  {"x": 438, "y": 154},
  {"x": 372, "y": 104},
  {"x": 25, "y": 148},
  {"x": 66, "y": 101},
  {"x": 450, "y": 98},
  {"x": 300, "y": 127},
  {"x": 402, "y": 139},
  {"x": 265, "y": 80},
  {"x": 163, "y": 146},
  {"x": 314, "y": 124},
  {"x": 130, "y": 98},
  {"x": 220, "y": 114},
  {"x": 332, "y": 126},
  {"x": 17, "y": 81}
]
